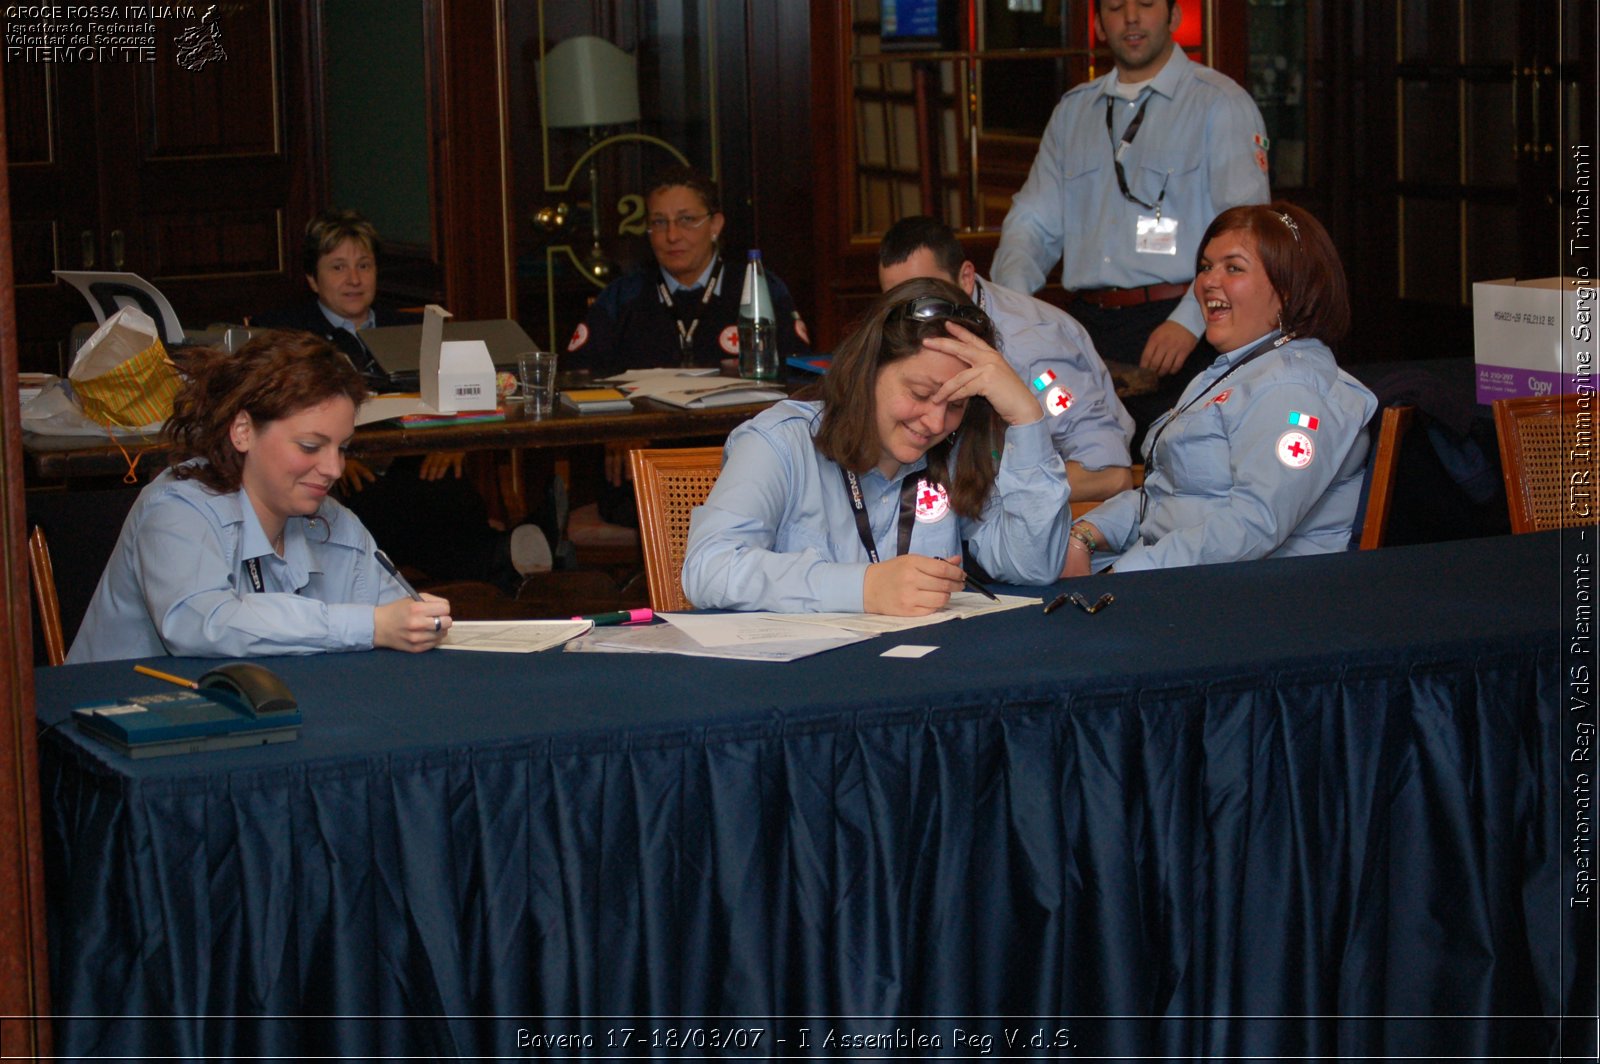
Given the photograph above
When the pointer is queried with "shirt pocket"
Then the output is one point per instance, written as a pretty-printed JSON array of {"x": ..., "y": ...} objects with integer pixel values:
[
  {"x": 1079, "y": 184},
  {"x": 1173, "y": 171},
  {"x": 1195, "y": 448}
]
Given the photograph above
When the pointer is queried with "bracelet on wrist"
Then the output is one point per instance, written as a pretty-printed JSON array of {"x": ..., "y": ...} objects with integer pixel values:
[{"x": 1079, "y": 533}]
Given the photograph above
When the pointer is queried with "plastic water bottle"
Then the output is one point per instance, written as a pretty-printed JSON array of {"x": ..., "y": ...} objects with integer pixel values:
[{"x": 758, "y": 329}]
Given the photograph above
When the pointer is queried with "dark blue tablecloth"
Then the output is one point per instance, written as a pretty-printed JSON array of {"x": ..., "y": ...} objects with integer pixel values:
[{"x": 1314, "y": 806}]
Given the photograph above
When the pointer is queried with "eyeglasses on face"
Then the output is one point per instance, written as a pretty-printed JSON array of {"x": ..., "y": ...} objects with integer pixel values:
[
  {"x": 937, "y": 308},
  {"x": 685, "y": 222}
]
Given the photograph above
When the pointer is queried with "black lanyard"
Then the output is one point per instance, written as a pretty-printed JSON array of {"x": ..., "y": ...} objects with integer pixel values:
[
  {"x": 908, "y": 513},
  {"x": 686, "y": 333},
  {"x": 1127, "y": 142},
  {"x": 1270, "y": 342},
  {"x": 252, "y": 566}
]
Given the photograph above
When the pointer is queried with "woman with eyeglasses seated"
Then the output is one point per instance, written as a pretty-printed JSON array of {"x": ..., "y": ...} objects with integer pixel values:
[
  {"x": 237, "y": 548},
  {"x": 682, "y": 308},
  {"x": 860, "y": 502},
  {"x": 1264, "y": 454}
]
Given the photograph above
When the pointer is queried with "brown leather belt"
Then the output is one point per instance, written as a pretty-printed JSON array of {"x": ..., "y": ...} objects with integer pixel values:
[{"x": 1130, "y": 297}]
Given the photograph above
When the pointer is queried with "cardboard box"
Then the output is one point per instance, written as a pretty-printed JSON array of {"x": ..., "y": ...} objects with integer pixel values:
[
  {"x": 1532, "y": 337},
  {"x": 454, "y": 375}
]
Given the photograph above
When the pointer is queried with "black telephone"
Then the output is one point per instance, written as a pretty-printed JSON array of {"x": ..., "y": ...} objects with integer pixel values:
[{"x": 260, "y": 689}]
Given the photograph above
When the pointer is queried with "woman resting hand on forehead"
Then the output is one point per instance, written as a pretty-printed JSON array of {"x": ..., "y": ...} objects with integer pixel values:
[
  {"x": 924, "y": 438},
  {"x": 237, "y": 549}
]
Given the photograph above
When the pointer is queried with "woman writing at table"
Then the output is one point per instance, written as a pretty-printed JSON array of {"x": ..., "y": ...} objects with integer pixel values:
[
  {"x": 1264, "y": 454},
  {"x": 237, "y": 548},
  {"x": 860, "y": 502}
]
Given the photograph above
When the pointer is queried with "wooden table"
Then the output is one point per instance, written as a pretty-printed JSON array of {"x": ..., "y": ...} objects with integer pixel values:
[{"x": 68, "y": 457}]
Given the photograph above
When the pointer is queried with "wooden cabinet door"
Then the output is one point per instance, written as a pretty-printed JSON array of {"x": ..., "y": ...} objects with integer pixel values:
[{"x": 196, "y": 179}]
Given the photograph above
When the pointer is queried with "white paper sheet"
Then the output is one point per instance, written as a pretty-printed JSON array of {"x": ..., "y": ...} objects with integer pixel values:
[
  {"x": 739, "y": 629},
  {"x": 962, "y": 604},
  {"x": 512, "y": 637},
  {"x": 668, "y": 639}
]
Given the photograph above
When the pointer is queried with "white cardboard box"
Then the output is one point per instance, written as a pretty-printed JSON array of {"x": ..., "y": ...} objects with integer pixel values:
[
  {"x": 1526, "y": 342},
  {"x": 454, "y": 375}
]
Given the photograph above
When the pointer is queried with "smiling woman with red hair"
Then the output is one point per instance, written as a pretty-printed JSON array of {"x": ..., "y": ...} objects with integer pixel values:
[
  {"x": 237, "y": 549},
  {"x": 1263, "y": 455}
]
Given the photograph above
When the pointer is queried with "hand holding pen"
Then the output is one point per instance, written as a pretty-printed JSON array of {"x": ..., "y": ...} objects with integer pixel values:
[{"x": 415, "y": 624}]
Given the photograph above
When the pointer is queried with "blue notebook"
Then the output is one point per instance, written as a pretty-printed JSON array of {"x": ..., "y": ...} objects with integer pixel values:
[{"x": 182, "y": 722}]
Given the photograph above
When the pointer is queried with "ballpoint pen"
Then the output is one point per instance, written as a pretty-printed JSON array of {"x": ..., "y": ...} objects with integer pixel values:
[
  {"x": 383, "y": 560},
  {"x": 1056, "y": 603},
  {"x": 980, "y": 589}
]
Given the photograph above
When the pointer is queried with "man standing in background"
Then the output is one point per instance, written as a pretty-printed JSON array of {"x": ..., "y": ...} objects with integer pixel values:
[{"x": 1131, "y": 169}]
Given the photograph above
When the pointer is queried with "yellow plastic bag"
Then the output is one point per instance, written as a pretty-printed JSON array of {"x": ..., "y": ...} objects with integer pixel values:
[{"x": 122, "y": 375}]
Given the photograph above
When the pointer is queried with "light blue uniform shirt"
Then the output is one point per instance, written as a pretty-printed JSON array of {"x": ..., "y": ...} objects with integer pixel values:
[
  {"x": 1198, "y": 140},
  {"x": 339, "y": 321},
  {"x": 1081, "y": 409},
  {"x": 778, "y": 533},
  {"x": 1242, "y": 473},
  {"x": 178, "y": 584}
]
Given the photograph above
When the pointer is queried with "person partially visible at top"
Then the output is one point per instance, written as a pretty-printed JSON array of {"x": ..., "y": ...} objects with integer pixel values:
[
  {"x": 681, "y": 308},
  {"x": 238, "y": 549},
  {"x": 924, "y": 439},
  {"x": 1047, "y": 348},
  {"x": 1264, "y": 455},
  {"x": 1131, "y": 169},
  {"x": 419, "y": 505}
]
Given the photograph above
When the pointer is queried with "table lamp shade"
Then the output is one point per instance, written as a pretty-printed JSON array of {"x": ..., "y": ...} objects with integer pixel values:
[{"x": 589, "y": 82}]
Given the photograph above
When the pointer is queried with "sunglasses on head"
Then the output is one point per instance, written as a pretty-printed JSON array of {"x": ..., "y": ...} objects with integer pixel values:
[{"x": 938, "y": 308}]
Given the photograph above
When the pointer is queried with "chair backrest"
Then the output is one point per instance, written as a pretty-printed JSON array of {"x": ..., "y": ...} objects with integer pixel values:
[
  {"x": 83, "y": 527},
  {"x": 1392, "y": 427},
  {"x": 668, "y": 484},
  {"x": 1550, "y": 465},
  {"x": 44, "y": 597}
]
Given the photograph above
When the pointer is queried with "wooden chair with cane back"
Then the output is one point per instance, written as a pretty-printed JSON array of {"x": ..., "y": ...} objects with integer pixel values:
[
  {"x": 668, "y": 484},
  {"x": 1548, "y": 460}
]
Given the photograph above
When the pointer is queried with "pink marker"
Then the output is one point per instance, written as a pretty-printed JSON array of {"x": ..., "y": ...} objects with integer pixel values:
[{"x": 639, "y": 616}]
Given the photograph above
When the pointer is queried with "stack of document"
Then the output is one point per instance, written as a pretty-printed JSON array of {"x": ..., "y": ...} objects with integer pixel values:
[
  {"x": 775, "y": 636},
  {"x": 695, "y": 389}
]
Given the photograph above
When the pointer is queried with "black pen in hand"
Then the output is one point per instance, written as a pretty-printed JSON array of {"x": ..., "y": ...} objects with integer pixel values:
[
  {"x": 980, "y": 589},
  {"x": 383, "y": 560}
]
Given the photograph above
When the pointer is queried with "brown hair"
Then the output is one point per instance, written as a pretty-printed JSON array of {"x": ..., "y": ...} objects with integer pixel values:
[
  {"x": 690, "y": 178},
  {"x": 1300, "y": 261},
  {"x": 274, "y": 375},
  {"x": 849, "y": 431},
  {"x": 331, "y": 228}
]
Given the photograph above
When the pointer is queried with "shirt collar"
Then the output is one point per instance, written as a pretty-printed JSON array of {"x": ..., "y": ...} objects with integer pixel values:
[
  {"x": 339, "y": 322},
  {"x": 253, "y": 543},
  {"x": 673, "y": 287},
  {"x": 1166, "y": 82}
]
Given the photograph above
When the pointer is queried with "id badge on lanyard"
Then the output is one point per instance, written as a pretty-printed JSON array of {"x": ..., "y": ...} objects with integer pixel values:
[{"x": 1156, "y": 235}]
